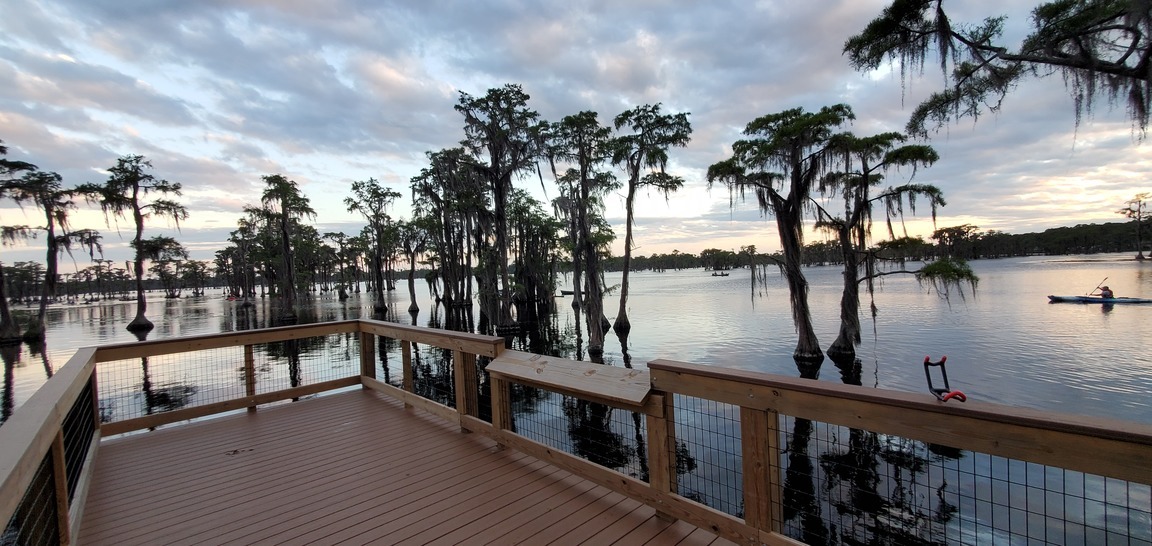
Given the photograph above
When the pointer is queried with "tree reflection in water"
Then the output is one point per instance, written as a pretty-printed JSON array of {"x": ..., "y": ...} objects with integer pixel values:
[
  {"x": 637, "y": 419},
  {"x": 875, "y": 488},
  {"x": 36, "y": 348},
  {"x": 433, "y": 378},
  {"x": 590, "y": 429},
  {"x": 10, "y": 354},
  {"x": 384, "y": 346},
  {"x": 799, "y": 486},
  {"x": 164, "y": 397}
]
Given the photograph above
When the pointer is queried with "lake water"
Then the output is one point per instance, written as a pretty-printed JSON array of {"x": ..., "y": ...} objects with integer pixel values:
[{"x": 1006, "y": 344}]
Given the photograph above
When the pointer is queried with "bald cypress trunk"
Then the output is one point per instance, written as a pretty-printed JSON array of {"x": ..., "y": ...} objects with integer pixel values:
[
  {"x": 9, "y": 330},
  {"x": 140, "y": 323},
  {"x": 807, "y": 345},
  {"x": 844, "y": 348}
]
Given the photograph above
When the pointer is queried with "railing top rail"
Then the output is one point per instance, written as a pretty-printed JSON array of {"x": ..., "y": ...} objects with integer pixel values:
[
  {"x": 120, "y": 351},
  {"x": 490, "y": 346},
  {"x": 1111, "y": 429},
  {"x": 472, "y": 343},
  {"x": 621, "y": 387}
]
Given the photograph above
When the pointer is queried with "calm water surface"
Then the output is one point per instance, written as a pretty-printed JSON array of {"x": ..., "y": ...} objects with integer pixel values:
[{"x": 1006, "y": 344}]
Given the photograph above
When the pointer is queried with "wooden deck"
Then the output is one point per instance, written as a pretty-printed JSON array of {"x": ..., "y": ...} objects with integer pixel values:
[{"x": 350, "y": 468}]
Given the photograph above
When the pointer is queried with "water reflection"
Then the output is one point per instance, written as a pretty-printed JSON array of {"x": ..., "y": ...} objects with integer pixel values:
[
  {"x": 637, "y": 419},
  {"x": 433, "y": 377},
  {"x": 851, "y": 371},
  {"x": 843, "y": 484},
  {"x": 10, "y": 354},
  {"x": 290, "y": 350},
  {"x": 163, "y": 397},
  {"x": 36, "y": 348},
  {"x": 800, "y": 487},
  {"x": 589, "y": 429}
]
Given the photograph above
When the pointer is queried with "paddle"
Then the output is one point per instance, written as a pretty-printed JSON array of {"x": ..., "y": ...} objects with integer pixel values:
[{"x": 1097, "y": 287}]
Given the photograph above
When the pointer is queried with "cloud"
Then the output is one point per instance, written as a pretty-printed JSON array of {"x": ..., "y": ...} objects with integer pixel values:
[
  {"x": 59, "y": 81},
  {"x": 220, "y": 93}
]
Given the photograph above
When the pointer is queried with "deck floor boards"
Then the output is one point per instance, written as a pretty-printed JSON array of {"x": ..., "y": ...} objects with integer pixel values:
[{"x": 349, "y": 468}]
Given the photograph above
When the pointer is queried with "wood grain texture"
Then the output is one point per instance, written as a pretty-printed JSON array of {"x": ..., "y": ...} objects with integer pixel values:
[
  {"x": 617, "y": 386},
  {"x": 354, "y": 466},
  {"x": 27, "y": 437},
  {"x": 1104, "y": 447}
]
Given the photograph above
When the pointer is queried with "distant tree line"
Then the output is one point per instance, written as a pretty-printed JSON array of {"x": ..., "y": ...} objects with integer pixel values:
[{"x": 965, "y": 241}]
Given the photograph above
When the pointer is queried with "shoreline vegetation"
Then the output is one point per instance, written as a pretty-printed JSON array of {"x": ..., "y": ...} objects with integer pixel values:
[
  {"x": 23, "y": 278},
  {"x": 707, "y": 261}
]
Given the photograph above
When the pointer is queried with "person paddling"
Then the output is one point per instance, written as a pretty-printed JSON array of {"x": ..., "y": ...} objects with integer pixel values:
[{"x": 1106, "y": 292}]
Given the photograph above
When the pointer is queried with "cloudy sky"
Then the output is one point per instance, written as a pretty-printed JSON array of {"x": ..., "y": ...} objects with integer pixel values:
[{"x": 218, "y": 93}]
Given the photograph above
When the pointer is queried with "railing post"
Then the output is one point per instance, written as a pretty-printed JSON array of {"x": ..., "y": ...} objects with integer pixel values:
[
  {"x": 368, "y": 355},
  {"x": 250, "y": 375},
  {"x": 760, "y": 446},
  {"x": 409, "y": 376},
  {"x": 662, "y": 445},
  {"x": 467, "y": 386},
  {"x": 60, "y": 479},
  {"x": 95, "y": 386},
  {"x": 501, "y": 405}
]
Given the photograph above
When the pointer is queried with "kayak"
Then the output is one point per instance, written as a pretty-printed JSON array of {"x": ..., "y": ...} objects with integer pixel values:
[{"x": 1095, "y": 299}]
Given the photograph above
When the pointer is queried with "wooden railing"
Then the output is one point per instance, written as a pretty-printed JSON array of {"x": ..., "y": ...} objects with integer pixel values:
[
  {"x": 33, "y": 462},
  {"x": 32, "y": 441},
  {"x": 32, "y": 451},
  {"x": 1102, "y": 447}
]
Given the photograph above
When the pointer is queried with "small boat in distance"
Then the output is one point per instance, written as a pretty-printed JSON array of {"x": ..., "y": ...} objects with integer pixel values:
[
  {"x": 1095, "y": 299},
  {"x": 719, "y": 274},
  {"x": 566, "y": 292}
]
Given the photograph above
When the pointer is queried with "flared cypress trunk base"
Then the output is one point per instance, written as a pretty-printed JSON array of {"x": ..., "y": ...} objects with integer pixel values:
[
  {"x": 140, "y": 324},
  {"x": 807, "y": 359},
  {"x": 839, "y": 353},
  {"x": 10, "y": 334},
  {"x": 622, "y": 326},
  {"x": 506, "y": 330},
  {"x": 35, "y": 332},
  {"x": 809, "y": 369}
]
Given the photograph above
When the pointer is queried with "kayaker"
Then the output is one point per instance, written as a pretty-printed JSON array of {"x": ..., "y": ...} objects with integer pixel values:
[{"x": 1106, "y": 292}]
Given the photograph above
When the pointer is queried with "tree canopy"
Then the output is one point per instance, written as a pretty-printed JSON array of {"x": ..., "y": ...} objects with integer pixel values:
[{"x": 1102, "y": 48}]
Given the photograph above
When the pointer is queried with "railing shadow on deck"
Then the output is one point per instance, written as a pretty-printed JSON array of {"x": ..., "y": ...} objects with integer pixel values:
[{"x": 756, "y": 458}]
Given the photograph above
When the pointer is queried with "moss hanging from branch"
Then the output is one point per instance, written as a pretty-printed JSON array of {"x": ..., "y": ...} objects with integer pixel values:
[{"x": 948, "y": 274}]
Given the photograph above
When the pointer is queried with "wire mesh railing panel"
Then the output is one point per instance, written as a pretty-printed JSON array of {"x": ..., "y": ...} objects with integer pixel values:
[
  {"x": 35, "y": 520},
  {"x": 433, "y": 375},
  {"x": 78, "y": 428},
  {"x": 708, "y": 453},
  {"x": 432, "y": 372},
  {"x": 389, "y": 360},
  {"x": 850, "y": 486},
  {"x": 148, "y": 385},
  {"x": 483, "y": 389},
  {"x": 610, "y": 437},
  {"x": 293, "y": 363}
]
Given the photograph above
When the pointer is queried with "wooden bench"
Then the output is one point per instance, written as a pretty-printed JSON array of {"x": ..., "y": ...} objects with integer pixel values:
[{"x": 620, "y": 387}]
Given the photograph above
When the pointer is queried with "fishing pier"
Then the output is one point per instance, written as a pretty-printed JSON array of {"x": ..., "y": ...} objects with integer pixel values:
[{"x": 397, "y": 433}]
